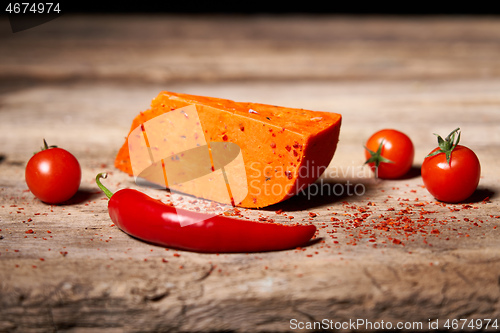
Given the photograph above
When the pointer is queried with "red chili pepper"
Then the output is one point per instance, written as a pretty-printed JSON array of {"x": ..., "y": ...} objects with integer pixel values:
[{"x": 152, "y": 221}]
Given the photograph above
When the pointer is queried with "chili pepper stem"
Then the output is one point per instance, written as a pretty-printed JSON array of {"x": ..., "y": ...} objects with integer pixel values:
[{"x": 108, "y": 193}]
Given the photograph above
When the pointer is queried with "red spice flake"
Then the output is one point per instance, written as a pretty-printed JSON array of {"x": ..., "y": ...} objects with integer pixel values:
[
  {"x": 397, "y": 241},
  {"x": 363, "y": 210},
  {"x": 289, "y": 174},
  {"x": 405, "y": 211},
  {"x": 177, "y": 255},
  {"x": 288, "y": 148},
  {"x": 42, "y": 259},
  {"x": 164, "y": 260},
  {"x": 435, "y": 231},
  {"x": 242, "y": 128},
  {"x": 291, "y": 217},
  {"x": 311, "y": 214},
  {"x": 273, "y": 145},
  {"x": 224, "y": 138},
  {"x": 29, "y": 231},
  {"x": 422, "y": 212}
]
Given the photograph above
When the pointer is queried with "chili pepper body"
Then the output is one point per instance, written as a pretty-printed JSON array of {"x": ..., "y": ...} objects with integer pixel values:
[{"x": 152, "y": 221}]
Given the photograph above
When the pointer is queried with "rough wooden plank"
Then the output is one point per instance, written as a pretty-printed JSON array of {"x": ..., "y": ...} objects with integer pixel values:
[
  {"x": 89, "y": 274},
  {"x": 166, "y": 48},
  {"x": 77, "y": 273}
]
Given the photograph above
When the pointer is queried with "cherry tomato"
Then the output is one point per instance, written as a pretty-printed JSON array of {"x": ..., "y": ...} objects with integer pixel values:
[
  {"x": 53, "y": 175},
  {"x": 389, "y": 153},
  {"x": 451, "y": 172}
]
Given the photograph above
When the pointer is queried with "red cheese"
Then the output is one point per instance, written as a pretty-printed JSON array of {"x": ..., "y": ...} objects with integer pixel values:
[{"x": 283, "y": 149}]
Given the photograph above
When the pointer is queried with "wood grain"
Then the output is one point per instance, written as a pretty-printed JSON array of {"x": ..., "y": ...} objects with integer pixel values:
[
  {"x": 78, "y": 82},
  {"x": 255, "y": 47}
]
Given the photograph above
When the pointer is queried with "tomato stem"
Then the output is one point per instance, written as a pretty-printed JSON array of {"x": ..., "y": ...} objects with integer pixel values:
[
  {"x": 447, "y": 144},
  {"x": 46, "y": 146},
  {"x": 108, "y": 193},
  {"x": 377, "y": 158}
]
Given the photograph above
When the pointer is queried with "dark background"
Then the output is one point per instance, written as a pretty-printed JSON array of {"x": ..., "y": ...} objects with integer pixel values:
[
  {"x": 280, "y": 7},
  {"x": 23, "y": 21}
]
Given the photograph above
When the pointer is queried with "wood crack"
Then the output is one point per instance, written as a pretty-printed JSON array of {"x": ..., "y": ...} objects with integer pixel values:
[
  {"x": 307, "y": 315},
  {"x": 206, "y": 274},
  {"x": 372, "y": 279}
]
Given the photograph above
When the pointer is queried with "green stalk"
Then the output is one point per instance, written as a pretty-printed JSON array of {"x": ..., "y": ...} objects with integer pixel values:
[
  {"x": 108, "y": 193},
  {"x": 377, "y": 158},
  {"x": 447, "y": 144}
]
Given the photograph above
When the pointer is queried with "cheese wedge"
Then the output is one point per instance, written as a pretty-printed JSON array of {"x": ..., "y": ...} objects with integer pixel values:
[{"x": 283, "y": 149}]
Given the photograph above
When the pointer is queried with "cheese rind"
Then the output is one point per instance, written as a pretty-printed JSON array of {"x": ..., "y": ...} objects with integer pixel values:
[{"x": 284, "y": 149}]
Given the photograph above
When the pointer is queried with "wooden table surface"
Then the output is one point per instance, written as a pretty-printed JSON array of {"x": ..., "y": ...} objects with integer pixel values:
[{"x": 78, "y": 81}]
